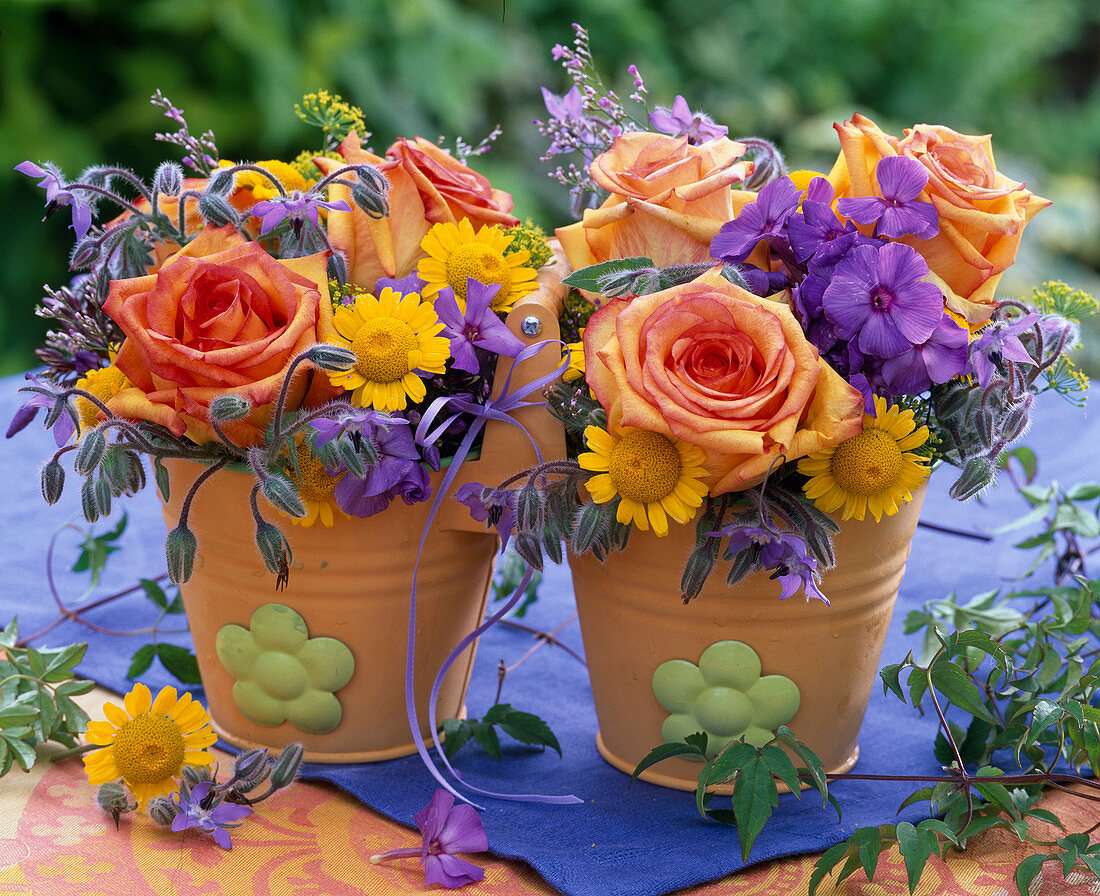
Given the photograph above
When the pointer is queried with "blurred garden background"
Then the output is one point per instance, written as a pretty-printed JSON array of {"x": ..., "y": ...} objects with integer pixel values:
[{"x": 76, "y": 77}]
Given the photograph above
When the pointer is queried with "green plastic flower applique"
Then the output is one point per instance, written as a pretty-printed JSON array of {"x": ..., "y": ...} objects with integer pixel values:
[
  {"x": 282, "y": 674},
  {"x": 725, "y": 696}
]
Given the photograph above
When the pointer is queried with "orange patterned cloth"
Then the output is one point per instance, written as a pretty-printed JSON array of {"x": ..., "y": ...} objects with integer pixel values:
[{"x": 314, "y": 840}]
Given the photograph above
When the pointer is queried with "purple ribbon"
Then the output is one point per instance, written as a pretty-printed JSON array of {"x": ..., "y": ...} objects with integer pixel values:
[{"x": 498, "y": 409}]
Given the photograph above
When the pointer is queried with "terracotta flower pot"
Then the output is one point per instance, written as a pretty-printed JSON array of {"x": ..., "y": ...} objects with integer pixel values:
[
  {"x": 322, "y": 661},
  {"x": 742, "y": 661}
]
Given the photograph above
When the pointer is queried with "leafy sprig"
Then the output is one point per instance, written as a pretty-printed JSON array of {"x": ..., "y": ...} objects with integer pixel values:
[
  {"x": 525, "y": 727},
  {"x": 37, "y": 688}
]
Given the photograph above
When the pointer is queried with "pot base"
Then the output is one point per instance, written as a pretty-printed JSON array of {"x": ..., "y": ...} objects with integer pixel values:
[
  {"x": 674, "y": 782},
  {"x": 397, "y": 752}
]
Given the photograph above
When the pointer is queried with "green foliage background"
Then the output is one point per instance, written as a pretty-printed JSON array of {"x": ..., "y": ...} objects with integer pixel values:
[{"x": 76, "y": 75}]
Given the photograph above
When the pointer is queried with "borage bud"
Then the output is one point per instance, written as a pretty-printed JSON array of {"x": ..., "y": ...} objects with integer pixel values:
[
  {"x": 85, "y": 254},
  {"x": 331, "y": 358},
  {"x": 700, "y": 564},
  {"x": 286, "y": 766},
  {"x": 978, "y": 473},
  {"x": 168, "y": 179},
  {"x": 221, "y": 182},
  {"x": 193, "y": 775},
  {"x": 115, "y": 798},
  {"x": 53, "y": 481},
  {"x": 92, "y": 448},
  {"x": 529, "y": 510},
  {"x": 272, "y": 546},
  {"x": 370, "y": 201},
  {"x": 1017, "y": 420},
  {"x": 216, "y": 210},
  {"x": 229, "y": 407},
  {"x": 250, "y": 770},
  {"x": 590, "y": 527},
  {"x": 163, "y": 811},
  {"x": 180, "y": 549},
  {"x": 281, "y": 493}
]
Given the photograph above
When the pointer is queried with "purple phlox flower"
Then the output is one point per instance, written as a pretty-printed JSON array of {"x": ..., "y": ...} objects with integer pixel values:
[
  {"x": 53, "y": 182},
  {"x": 352, "y": 421},
  {"x": 196, "y": 812},
  {"x": 446, "y": 830},
  {"x": 806, "y": 302},
  {"x": 478, "y": 326},
  {"x": 496, "y": 506},
  {"x": 764, "y": 219},
  {"x": 940, "y": 358},
  {"x": 63, "y": 429},
  {"x": 898, "y": 212},
  {"x": 397, "y": 473},
  {"x": 401, "y": 285},
  {"x": 680, "y": 121},
  {"x": 879, "y": 298},
  {"x": 782, "y": 552},
  {"x": 296, "y": 207},
  {"x": 816, "y": 231},
  {"x": 1000, "y": 340},
  {"x": 761, "y": 282}
]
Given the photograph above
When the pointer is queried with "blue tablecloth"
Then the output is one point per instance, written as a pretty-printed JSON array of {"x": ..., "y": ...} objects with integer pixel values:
[{"x": 645, "y": 840}]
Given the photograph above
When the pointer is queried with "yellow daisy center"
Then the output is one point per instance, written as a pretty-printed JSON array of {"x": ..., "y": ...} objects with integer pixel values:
[
  {"x": 382, "y": 347},
  {"x": 478, "y": 261},
  {"x": 314, "y": 482},
  {"x": 148, "y": 749},
  {"x": 644, "y": 466},
  {"x": 867, "y": 464}
]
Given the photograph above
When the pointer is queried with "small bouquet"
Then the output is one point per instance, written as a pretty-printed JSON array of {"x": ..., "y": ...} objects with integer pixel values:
[
  {"x": 762, "y": 350},
  {"x": 332, "y": 323}
]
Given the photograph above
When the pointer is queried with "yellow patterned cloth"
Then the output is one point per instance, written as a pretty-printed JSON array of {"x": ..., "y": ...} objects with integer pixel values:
[{"x": 313, "y": 840}]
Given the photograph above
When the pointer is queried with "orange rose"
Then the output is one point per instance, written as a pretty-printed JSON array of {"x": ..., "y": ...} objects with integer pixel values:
[
  {"x": 221, "y": 316},
  {"x": 427, "y": 186},
  {"x": 982, "y": 212},
  {"x": 716, "y": 366},
  {"x": 667, "y": 200}
]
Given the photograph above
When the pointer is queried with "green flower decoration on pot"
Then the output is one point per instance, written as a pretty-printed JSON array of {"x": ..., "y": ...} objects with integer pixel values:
[
  {"x": 282, "y": 674},
  {"x": 725, "y": 696}
]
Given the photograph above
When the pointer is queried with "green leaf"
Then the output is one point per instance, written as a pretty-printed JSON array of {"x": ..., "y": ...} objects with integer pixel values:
[
  {"x": 141, "y": 660},
  {"x": 486, "y": 737},
  {"x": 1027, "y": 870},
  {"x": 667, "y": 751},
  {"x": 915, "y": 850},
  {"x": 154, "y": 593},
  {"x": 75, "y": 687},
  {"x": 890, "y": 676},
  {"x": 754, "y": 797},
  {"x": 589, "y": 278},
  {"x": 824, "y": 866},
  {"x": 457, "y": 733},
  {"x": 780, "y": 765},
  {"x": 1077, "y": 520},
  {"x": 180, "y": 663},
  {"x": 18, "y": 714},
  {"x": 529, "y": 729},
  {"x": 22, "y": 751},
  {"x": 96, "y": 549},
  {"x": 959, "y": 688}
]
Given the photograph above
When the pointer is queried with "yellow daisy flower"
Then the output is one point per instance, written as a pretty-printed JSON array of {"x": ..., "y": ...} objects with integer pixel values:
[
  {"x": 653, "y": 475},
  {"x": 262, "y": 188},
  {"x": 874, "y": 471},
  {"x": 316, "y": 490},
  {"x": 393, "y": 337},
  {"x": 455, "y": 253},
  {"x": 103, "y": 383},
  {"x": 575, "y": 370},
  {"x": 147, "y": 742}
]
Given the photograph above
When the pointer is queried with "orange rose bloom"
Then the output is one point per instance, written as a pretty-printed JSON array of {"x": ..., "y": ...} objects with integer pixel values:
[
  {"x": 982, "y": 212},
  {"x": 718, "y": 367},
  {"x": 667, "y": 200},
  {"x": 220, "y": 316},
  {"x": 427, "y": 186}
]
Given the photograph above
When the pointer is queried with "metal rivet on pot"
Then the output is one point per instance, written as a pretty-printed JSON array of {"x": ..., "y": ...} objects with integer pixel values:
[{"x": 531, "y": 326}]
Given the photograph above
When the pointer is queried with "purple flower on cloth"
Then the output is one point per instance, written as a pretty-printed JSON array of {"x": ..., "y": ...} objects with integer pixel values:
[
  {"x": 476, "y": 327},
  {"x": 1000, "y": 340},
  {"x": 213, "y": 820},
  {"x": 898, "y": 212},
  {"x": 763, "y": 219},
  {"x": 680, "y": 121},
  {"x": 782, "y": 552},
  {"x": 879, "y": 296},
  {"x": 296, "y": 207},
  {"x": 446, "y": 830},
  {"x": 56, "y": 195},
  {"x": 940, "y": 358},
  {"x": 492, "y": 505},
  {"x": 397, "y": 473}
]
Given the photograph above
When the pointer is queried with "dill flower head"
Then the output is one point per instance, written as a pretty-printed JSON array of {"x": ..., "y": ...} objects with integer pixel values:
[
  {"x": 394, "y": 338},
  {"x": 654, "y": 476},
  {"x": 456, "y": 253},
  {"x": 874, "y": 471},
  {"x": 147, "y": 742}
]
